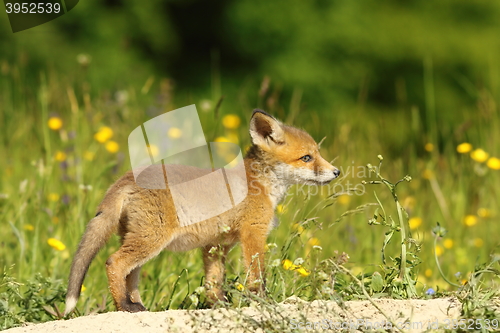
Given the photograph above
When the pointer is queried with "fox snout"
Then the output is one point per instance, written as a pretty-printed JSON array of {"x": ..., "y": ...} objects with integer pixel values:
[
  {"x": 336, "y": 172},
  {"x": 325, "y": 171},
  {"x": 330, "y": 175}
]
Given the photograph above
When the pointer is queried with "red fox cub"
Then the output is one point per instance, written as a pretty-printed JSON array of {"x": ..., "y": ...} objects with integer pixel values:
[{"x": 147, "y": 223}]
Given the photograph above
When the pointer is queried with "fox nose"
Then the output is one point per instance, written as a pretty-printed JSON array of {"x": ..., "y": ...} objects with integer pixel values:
[{"x": 336, "y": 172}]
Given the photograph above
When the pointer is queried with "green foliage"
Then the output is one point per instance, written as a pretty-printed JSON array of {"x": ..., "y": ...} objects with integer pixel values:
[
  {"x": 339, "y": 53},
  {"x": 31, "y": 302},
  {"x": 400, "y": 278},
  {"x": 478, "y": 294},
  {"x": 368, "y": 51},
  {"x": 479, "y": 299}
]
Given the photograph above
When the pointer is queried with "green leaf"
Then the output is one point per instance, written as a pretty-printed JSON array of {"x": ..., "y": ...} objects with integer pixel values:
[
  {"x": 387, "y": 239},
  {"x": 377, "y": 283},
  {"x": 381, "y": 206}
]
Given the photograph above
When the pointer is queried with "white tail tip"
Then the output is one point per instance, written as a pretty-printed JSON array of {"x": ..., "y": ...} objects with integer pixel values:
[{"x": 70, "y": 305}]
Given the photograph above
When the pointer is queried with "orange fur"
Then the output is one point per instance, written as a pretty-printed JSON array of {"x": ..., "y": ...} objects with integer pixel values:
[{"x": 147, "y": 223}]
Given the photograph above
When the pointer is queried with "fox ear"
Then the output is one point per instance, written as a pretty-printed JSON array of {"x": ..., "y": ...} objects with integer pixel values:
[{"x": 264, "y": 129}]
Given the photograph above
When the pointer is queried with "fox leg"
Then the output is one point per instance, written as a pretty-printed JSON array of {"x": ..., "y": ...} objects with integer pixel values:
[
  {"x": 253, "y": 242},
  {"x": 214, "y": 259},
  {"x": 132, "y": 285},
  {"x": 123, "y": 270}
]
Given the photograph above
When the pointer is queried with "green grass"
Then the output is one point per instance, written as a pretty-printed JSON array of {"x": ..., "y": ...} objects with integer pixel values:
[{"x": 53, "y": 180}]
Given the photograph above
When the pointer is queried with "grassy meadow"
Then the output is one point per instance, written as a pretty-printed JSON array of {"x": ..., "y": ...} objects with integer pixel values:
[{"x": 63, "y": 144}]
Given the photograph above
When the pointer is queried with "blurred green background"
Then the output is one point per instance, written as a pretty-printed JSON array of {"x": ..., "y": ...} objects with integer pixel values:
[
  {"x": 411, "y": 80},
  {"x": 340, "y": 53}
]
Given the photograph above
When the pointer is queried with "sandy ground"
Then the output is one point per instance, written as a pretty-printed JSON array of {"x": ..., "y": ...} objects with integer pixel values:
[{"x": 411, "y": 315}]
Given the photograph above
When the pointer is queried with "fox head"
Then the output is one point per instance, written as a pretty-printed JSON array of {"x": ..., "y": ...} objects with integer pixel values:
[{"x": 291, "y": 153}]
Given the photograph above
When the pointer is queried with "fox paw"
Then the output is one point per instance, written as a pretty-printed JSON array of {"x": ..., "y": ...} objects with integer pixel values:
[
  {"x": 130, "y": 306},
  {"x": 257, "y": 288},
  {"x": 214, "y": 295}
]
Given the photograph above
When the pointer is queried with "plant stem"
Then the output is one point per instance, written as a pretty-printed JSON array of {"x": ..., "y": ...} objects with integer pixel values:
[
  {"x": 403, "y": 239},
  {"x": 402, "y": 225},
  {"x": 439, "y": 266},
  {"x": 368, "y": 297}
]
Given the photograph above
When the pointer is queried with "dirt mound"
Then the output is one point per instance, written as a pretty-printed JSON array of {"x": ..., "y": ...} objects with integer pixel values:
[{"x": 293, "y": 314}]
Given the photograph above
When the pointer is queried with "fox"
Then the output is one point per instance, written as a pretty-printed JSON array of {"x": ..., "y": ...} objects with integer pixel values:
[{"x": 146, "y": 221}]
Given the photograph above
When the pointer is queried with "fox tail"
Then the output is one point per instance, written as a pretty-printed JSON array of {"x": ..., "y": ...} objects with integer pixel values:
[{"x": 98, "y": 232}]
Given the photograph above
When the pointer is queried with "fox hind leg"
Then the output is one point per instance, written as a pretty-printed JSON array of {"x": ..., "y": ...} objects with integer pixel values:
[
  {"x": 123, "y": 268},
  {"x": 133, "y": 284}
]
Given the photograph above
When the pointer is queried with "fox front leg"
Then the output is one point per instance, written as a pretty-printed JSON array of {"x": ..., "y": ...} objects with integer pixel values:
[
  {"x": 253, "y": 242},
  {"x": 214, "y": 260}
]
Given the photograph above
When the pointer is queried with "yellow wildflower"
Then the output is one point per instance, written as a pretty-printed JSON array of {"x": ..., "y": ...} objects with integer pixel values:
[
  {"x": 313, "y": 241},
  {"x": 298, "y": 228},
  {"x": 464, "y": 148},
  {"x": 56, "y": 244},
  {"x": 493, "y": 163},
  {"x": 409, "y": 203},
  {"x": 470, "y": 220},
  {"x": 288, "y": 264},
  {"x": 415, "y": 222},
  {"x": 483, "y": 212},
  {"x": 221, "y": 139},
  {"x": 428, "y": 174},
  {"x": 448, "y": 243},
  {"x": 60, "y": 156},
  {"x": 439, "y": 250},
  {"x": 429, "y": 147},
  {"x": 153, "y": 149},
  {"x": 29, "y": 227},
  {"x": 88, "y": 155},
  {"x": 83, "y": 289},
  {"x": 479, "y": 155},
  {"x": 231, "y": 121},
  {"x": 428, "y": 272},
  {"x": 55, "y": 123},
  {"x": 304, "y": 272},
  {"x": 174, "y": 133},
  {"x": 478, "y": 242},
  {"x": 280, "y": 209},
  {"x": 344, "y": 199},
  {"x": 233, "y": 137},
  {"x": 104, "y": 134},
  {"x": 112, "y": 147},
  {"x": 240, "y": 287},
  {"x": 53, "y": 197}
]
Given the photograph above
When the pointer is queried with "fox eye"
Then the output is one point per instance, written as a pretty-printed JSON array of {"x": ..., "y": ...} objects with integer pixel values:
[{"x": 306, "y": 158}]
